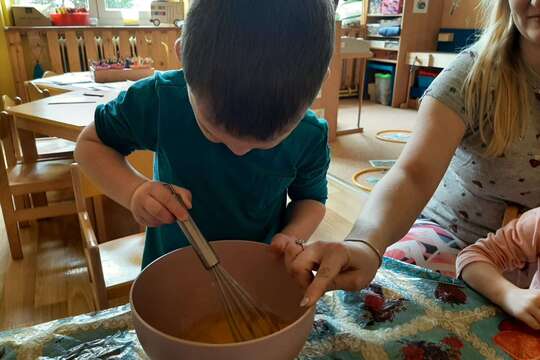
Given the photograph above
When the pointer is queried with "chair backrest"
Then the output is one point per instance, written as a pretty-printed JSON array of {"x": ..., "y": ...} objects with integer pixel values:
[
  {"x": 84, "y": 188},
  {"x": 8, "y": 102},
  {"x": 7, "y": 129},
  {"x": 49, "y": 73},
  {"x": 9, "y": 134},
  {"x": 34, "y": 92}
]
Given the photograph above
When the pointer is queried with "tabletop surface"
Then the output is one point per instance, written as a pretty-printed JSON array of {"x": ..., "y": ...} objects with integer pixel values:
[
  {"x": 64, "y": 110},
  {"x": 406, "y": 313}
]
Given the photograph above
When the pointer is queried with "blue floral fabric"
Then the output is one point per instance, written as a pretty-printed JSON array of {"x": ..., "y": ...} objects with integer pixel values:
[{"x": 406, "y": 313}]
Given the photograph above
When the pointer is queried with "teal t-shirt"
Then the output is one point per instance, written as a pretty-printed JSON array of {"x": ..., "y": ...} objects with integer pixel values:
[{"x": 234, "y": 197}]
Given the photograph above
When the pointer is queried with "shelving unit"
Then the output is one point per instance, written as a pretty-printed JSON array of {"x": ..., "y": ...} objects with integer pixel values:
[
  {"x": 383, "y": 37},
  {"x": 389, "y": 61},
  {"x": 381, "y": 48},
  {"x": 419, "y": 32},
  {"x": 384, "y": 15}
]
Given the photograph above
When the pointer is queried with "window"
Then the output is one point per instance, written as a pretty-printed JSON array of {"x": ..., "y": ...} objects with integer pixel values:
[
  {"x": 48, "y": 6},
  {"x": 108, "y": 12},
  {"x": 140, "y": 5}
]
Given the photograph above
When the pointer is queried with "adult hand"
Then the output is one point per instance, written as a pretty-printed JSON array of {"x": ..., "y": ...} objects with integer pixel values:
[
  {"x": 339, "y": 265},
  {"x": 153, "y": 204}
]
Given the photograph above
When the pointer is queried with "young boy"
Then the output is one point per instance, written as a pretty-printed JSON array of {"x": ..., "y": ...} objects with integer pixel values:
[
  {"x": 515, "y": 246},
  {"x": 231, "y": 130}
]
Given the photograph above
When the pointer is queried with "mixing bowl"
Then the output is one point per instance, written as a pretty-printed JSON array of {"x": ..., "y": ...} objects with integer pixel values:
[{"x": 175, "y": 293}]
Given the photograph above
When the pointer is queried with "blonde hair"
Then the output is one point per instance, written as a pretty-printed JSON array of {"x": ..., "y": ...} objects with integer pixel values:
[{"x": 496, "y": 89}]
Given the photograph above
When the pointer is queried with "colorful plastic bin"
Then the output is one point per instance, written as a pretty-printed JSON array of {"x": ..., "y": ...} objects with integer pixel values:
[{"x": 72, "y": 19}]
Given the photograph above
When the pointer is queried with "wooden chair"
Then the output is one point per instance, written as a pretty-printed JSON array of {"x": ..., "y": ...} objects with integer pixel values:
[
  {"x": 48, "y": 147},
  {"x": 22, "y": 179},
  {"x": 49, "y": 73},
  {"x": 112, "y": 265}
]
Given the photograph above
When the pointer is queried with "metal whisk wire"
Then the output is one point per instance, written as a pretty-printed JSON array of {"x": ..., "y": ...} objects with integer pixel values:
[{"x": 245, "y": 318}]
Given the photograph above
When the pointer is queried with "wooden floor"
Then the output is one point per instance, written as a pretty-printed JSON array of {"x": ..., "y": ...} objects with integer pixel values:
[
  {"x": 50, "y": 282},
  {"x": 351, "y": 153}
]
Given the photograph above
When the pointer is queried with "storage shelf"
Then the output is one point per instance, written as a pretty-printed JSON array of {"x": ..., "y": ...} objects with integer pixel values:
[
  {"x": 384, "y": 15},
  {"x": 383, "y": 37},
  {"x": 381, "y": 48},
  {"x": 390, "y": 61}
]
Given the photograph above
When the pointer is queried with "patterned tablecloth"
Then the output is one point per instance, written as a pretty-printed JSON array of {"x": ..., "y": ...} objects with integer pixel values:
[{"x": 407, "y": 313}]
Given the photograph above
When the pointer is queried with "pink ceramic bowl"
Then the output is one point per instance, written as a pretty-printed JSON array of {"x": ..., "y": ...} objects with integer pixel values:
[{"x": 175, "y": 292}]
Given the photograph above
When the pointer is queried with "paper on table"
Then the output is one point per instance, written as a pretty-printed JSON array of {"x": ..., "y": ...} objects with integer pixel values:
[
  {"x": 70, "y": 78},
  {"x": 72, "y": 100},
  {"x": 123, "y": 85}
]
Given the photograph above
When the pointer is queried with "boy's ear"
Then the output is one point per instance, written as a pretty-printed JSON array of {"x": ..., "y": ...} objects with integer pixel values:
[{"x": 178, "y": 49}]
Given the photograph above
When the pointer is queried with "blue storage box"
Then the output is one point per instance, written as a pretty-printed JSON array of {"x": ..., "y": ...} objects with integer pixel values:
[
  {"x": 424, "y": 81},
  {"x": 417, "y": 92}
]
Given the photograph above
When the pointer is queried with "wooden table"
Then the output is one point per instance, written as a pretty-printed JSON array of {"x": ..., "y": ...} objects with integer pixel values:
[
  {"x": 327, "y": 102},
  {"x": 65, "y": 121},
  {"x": 362, "y": 58}
]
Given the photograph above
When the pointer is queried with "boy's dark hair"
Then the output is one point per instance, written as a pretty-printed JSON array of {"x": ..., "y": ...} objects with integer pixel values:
[{"x": 257, "y": 63}]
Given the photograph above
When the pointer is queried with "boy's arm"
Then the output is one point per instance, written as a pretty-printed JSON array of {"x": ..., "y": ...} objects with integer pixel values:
[
  {"x": 308, "y": 193},
  {"x": 481, "y": 266},
  {"x": 107, "y": 168},
  {"x": 305, "y": 217},
  {"x": 121, "y": 126},
  {"x": 309, "y": 190}
]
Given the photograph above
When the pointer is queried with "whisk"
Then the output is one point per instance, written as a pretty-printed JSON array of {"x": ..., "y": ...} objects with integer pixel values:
[{"x": 246, "y": 320}]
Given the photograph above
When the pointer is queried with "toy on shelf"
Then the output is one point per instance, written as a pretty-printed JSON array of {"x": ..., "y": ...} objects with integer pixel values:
[
  {"x": 167, "y": 13},
  {"x": 114, "y": 70},
  {"x": 70, "y": 17},
  {"x": 391, "y": 7}
]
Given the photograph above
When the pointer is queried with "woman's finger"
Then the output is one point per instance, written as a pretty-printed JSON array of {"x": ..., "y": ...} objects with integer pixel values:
[
  {"x": 301, "y": 268},
  {"x": 352, "y": 280},
  {"x": 334, "y": 259}
]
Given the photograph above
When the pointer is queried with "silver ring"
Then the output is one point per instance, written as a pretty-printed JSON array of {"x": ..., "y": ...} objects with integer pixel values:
[{"x": 300, "y": 242}]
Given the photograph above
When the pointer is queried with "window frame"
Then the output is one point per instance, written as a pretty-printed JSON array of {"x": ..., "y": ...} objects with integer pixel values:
[
  {"x": 98, "y": 9},
  {"x": 113, "y": 17}
]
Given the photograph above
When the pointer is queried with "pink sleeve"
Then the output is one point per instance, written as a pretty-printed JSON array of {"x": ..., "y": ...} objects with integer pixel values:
[{"x": 509, "y": 248}]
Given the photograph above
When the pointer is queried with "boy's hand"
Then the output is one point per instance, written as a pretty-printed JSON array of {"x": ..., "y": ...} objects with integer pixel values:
[
  {"x": 340, "y": 265},
  {"x": 523, "y": 304},
  {"x": 153, "y": 204}
]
